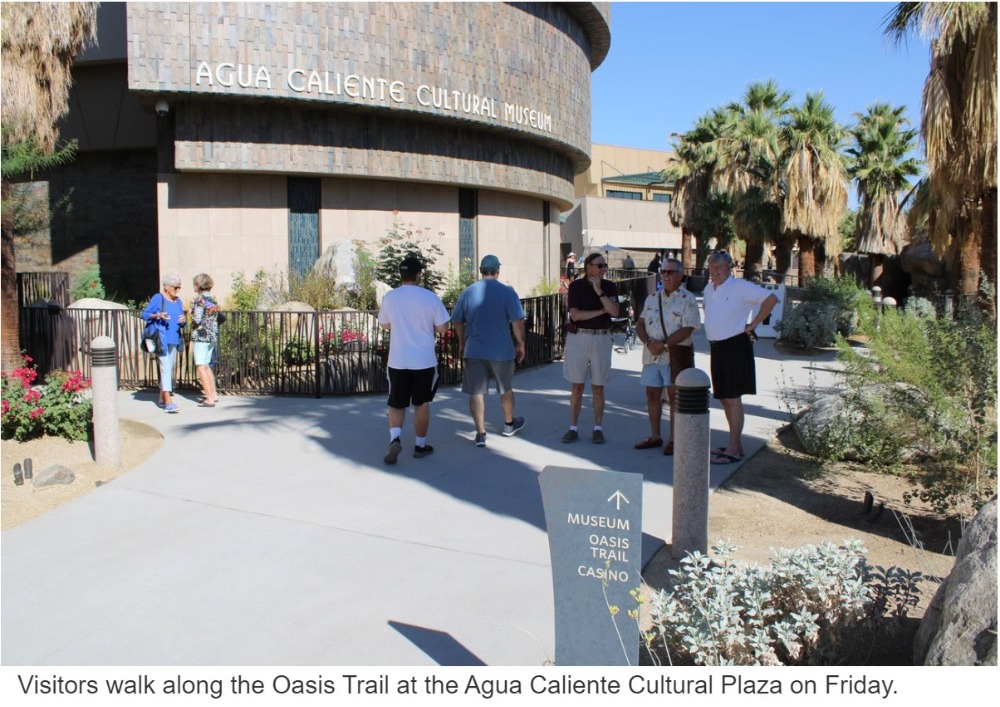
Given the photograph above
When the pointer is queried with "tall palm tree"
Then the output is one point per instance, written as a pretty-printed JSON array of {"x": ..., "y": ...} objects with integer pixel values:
[
  {"x": 959, "y": 129},
  {"x": 39, "y": 41},
  {"x": 814, "y": 179},
  {"x": 693, "y": 171},
  {"x": 882, "y": 169},
  {"x": 751, "y": 156}
]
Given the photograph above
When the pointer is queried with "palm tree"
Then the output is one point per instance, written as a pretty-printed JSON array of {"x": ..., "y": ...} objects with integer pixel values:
[
  {"x": 882, "y": 169},
  {"x": 751, "y": 153},
  {"x": 814, "y": 179},
  {"x": 39, "y": 41},
  {"x": 692, "y": 170},
  {"x": 959, "y": 129}
]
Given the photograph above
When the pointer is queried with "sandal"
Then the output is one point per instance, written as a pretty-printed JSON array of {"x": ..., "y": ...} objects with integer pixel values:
[
  {"x": 720, "y": 458},
  {"x": 668, "y": 451},
  {"x": 649, "y": 443},
  {"x": 206, "y": 404}
]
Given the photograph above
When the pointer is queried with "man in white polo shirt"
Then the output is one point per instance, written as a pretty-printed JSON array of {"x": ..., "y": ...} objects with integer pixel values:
[{"x": 728, "y": 304}]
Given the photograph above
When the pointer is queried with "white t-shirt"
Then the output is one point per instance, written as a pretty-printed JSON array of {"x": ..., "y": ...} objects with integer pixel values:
[
  {"x": 728, "y": 307},
  {"x": 412, "y": 312}
]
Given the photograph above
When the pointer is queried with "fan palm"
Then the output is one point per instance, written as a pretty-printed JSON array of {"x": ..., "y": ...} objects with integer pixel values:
[
  {"x": 959, "y": 129},
  {"x": 39, "y": 41},
  {"x": 881, "y": 166},
  {"x": 814, "y": 178}
]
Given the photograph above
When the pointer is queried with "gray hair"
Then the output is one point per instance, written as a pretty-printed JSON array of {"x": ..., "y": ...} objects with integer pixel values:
[
  {"x": 171, "y": 280},
  {"x": 676, "y": 261},
  {"x": 721, "y": 255}
]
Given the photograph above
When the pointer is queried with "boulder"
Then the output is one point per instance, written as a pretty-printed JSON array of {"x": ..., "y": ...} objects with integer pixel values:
[
  {"x": 960, "y": 625},
  {"x": 293, "y": 324},
  {"x": 381, "y": 289},
  {"x": 54, "y": 475},
  {"x": 813, "y": 423}
]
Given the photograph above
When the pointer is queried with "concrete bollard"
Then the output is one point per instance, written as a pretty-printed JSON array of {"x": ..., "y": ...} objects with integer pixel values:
[
  {"x": 104, "y": 383},
  {"x": 692, "y": 441}
]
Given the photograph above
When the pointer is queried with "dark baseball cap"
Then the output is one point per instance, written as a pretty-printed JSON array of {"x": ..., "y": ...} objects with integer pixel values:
[
  {"x": 490, "y": 262},
  {"x": 410, "y": 266}
]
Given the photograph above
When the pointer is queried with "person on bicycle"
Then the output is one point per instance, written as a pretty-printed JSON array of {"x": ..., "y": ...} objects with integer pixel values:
[{"x": 669, "y": 318}]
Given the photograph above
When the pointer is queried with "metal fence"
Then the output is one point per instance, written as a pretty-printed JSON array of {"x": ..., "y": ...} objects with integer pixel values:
[
  {"x": 35, "y": 286},
  {"x": 277, "y": 353}
]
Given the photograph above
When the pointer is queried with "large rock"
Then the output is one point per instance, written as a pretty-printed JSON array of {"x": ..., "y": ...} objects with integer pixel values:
[
  {"x": 960, "y": 625},
  {"x": 293, "y": 324},
  {"x": 813, "y": 424}
]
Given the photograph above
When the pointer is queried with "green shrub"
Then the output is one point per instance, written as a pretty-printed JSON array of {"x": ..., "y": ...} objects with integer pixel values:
[
  {"x": 403, "y": 241},
  {"x": 297, "y": 352},
  {"x": 455, "y": 284},
  {"x": 362, "y": 295},
  {"x": 793, "y": 611},
  {"x": 88, "y": 282},
  {"x": 829, "y": 307}
]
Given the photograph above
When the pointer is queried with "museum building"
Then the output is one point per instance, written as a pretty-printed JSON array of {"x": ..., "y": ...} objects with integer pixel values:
[{"x": 229, "y": 137}]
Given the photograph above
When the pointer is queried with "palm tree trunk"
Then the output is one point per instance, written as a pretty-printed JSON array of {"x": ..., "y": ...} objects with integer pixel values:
[
  {"x": 10, "y": 352},
  {"x": 782, "y": 259},
  {"x": 807, "y": 259},
  {"x": 686, "y": 259},
  {"x": 988, "y": 246},
  {"x": 755, "y": 253},
  {"x": 968, "y": 259},
  {"x": 877, "y": 261}
]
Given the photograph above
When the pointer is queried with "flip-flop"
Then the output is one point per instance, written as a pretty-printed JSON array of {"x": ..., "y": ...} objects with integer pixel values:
[
  {"x": 668, "y": 450},
  {"x": 649, "y": 443},
  {"x": 205, "y": 404},
  {"x": 728, "y": 458}
]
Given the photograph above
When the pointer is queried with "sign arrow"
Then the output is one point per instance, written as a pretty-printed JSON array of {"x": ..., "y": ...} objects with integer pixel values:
[{"x": 618, "y": 497}]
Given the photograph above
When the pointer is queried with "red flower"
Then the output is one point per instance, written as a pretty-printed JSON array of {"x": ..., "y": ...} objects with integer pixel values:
[{"x": 36, "y": 413}]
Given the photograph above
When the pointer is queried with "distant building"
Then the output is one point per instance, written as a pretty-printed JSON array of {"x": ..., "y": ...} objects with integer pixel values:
[
  {"x": 231, "y": 137},
  {"x": 622, "y": 200}
]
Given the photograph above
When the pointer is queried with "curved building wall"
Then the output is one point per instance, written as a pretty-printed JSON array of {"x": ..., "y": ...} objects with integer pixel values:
[
  {"x": 397, "y": 110},
  {"x": 359, "y": 79}
]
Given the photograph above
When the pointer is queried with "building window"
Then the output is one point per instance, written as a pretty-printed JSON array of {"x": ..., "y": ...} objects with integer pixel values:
[
  {"x": 618, "y": 194},
  {"x": 665, "y": 198},
  {"x": 303, "y": 224},
  {"x": 468, "y": 209}
]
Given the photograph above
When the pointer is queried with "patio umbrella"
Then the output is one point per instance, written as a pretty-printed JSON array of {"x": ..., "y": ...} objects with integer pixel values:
[{"x": 607, "y": 247}]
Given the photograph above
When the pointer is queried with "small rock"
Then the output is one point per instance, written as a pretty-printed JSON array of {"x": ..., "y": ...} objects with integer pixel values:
[{"x": 55, "y": 474}]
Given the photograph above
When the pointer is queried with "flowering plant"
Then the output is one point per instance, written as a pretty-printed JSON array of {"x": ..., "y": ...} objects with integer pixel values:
[
  {"x": 338, "y": 340},
  {"x": 59, "y": 407}
]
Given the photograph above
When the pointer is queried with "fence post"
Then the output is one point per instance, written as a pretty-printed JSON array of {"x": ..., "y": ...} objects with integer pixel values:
[
  {"x": 692, "y": 440},
  {"x": 104, "y": 381}
]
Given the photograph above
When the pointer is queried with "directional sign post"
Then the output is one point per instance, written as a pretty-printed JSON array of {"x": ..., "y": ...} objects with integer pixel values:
[{"x": 594, "y": 522}]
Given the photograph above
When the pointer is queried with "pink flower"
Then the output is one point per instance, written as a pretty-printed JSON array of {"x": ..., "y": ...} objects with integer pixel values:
[
  {"x": 36, "y": 413},
  {"x": 6, "y": 407}
]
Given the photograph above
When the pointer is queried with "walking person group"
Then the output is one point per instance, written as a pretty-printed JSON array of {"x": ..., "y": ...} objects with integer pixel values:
[{"x": 489, "y": 321}]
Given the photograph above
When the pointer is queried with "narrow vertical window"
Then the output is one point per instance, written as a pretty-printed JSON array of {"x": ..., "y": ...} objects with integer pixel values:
[
  {"x": 303, "y": 224},
  {"x": 468, "y": 209}
]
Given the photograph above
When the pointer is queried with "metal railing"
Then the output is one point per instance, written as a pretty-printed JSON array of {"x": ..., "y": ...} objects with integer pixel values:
[
  {"x": 35, "y": 286},
  {"x": 267, "y": 353}
]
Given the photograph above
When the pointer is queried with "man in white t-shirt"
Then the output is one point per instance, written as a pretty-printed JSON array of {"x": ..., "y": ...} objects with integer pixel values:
[
  {"x": 728, "y": 304},
  {"x": 413, "y": 315}
]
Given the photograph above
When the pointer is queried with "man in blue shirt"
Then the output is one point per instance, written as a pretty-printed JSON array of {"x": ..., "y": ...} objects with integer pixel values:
[{"x": 484, "y": 316}]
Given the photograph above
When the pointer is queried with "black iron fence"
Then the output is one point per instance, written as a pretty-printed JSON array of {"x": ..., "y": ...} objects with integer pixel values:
[
  {"x": 267, "y": 353},
  {"x": 341, "y": 352},
  {"x": 36, "y": 286}
]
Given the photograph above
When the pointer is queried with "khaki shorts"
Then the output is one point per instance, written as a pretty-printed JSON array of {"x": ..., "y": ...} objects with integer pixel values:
[
  {"x": 476, "y": 376},
  {"x": 587, "y": 353}
]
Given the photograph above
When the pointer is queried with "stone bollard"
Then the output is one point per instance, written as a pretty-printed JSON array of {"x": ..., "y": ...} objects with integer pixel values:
[
  {"x": 692, "y": 441},
  {"x": 949, "y": 304},
  {"x": 104, "y": 382},
  {"x": 889, "y": 303}
]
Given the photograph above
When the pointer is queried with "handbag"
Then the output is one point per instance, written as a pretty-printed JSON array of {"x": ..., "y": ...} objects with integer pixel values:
[{"x": 152, "y": 341}]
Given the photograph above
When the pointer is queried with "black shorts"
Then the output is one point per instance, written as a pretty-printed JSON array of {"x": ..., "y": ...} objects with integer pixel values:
[
  {"x": 733, "y": 370},
  {"x": 407, "y": 386}
]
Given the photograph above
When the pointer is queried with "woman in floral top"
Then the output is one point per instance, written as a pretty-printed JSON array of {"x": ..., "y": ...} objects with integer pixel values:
[{"x": 205, "y": 336}]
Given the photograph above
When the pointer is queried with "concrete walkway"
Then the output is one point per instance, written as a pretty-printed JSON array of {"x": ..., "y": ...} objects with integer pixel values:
[{"x": 267, "y": 531}]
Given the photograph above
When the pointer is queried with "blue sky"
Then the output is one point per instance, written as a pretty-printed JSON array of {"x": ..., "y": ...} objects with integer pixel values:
[{"x": 671, "y": 62}]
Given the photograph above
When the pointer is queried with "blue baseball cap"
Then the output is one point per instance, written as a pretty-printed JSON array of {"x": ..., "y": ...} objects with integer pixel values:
[{"x": 490, "y": 262}]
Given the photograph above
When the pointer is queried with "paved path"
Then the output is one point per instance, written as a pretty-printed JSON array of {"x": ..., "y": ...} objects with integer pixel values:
[{"x": 267, "y": 531}]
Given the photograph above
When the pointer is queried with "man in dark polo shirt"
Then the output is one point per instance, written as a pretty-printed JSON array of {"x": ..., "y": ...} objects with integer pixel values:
[{"x": 592, "y": 302}]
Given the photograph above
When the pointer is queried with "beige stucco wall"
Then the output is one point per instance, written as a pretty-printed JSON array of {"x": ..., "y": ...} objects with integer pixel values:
[
  {"x": 225, "y": 224},
  {"x": 616, "y": 160},
  {"x": 221, "y": 224}
]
